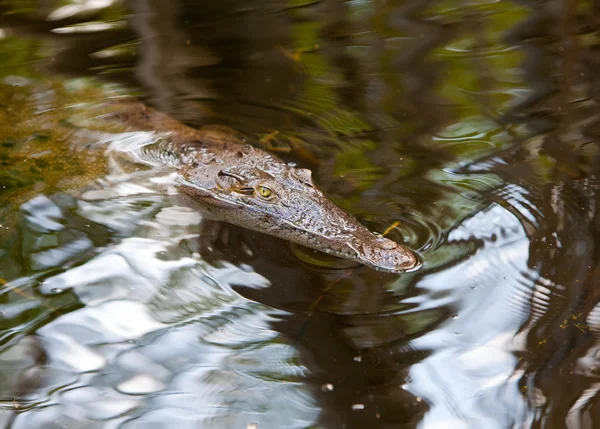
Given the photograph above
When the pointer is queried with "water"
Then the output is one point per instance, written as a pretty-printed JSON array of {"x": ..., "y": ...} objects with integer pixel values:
[{"x": 467, "y": 130}]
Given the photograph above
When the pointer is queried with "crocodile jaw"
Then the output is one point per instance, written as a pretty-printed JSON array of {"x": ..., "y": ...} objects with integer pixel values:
[{"x": 341, "y": 235}]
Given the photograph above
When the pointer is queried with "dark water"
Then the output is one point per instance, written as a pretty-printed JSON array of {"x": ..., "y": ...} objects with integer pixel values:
[{"x": 468, "y": 130}]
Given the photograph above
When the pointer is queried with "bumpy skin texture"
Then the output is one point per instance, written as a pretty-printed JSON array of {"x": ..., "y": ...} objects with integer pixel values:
[{"x": 237, "y": 183}]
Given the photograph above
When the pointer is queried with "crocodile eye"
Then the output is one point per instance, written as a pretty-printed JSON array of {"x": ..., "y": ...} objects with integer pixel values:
[{"x": 264, "y": 192}]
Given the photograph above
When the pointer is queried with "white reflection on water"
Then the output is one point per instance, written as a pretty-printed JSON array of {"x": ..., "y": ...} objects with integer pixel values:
[
  {"x": 472, "y": 363},
  {"x": 163, "y": 339}
]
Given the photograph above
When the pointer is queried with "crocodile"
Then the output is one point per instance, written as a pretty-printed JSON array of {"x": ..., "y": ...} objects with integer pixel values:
[{"x": 232, "y": 181}]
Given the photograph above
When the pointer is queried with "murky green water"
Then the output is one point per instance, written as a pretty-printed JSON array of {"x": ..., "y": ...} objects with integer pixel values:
[{"x": 466, "y": 130}]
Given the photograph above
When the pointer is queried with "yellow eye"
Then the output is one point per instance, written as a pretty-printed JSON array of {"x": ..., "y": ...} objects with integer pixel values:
[{"x": 264, "y": 191}]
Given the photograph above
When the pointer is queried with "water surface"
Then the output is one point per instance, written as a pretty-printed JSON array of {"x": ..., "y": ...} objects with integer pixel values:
[{"x": 467, "y": 131}]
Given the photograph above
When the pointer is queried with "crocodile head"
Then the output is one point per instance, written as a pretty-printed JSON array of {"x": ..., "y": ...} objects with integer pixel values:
[{"x": 251, "y": 188}]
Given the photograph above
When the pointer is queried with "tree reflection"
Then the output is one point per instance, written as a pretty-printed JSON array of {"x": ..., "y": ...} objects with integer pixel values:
[
  {"x": 387, "y": 101},
  {"x": 560, "y": 356}
]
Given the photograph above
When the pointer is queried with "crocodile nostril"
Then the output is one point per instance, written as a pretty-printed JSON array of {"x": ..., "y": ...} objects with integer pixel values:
[{"x": 387, "y": 244}]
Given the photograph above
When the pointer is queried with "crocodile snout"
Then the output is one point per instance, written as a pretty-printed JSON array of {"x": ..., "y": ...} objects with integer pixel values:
[{"x": 384, "y": 254}]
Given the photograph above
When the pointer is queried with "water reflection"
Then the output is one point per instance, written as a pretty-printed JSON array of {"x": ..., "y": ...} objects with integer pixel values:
[{"x": 473, "y": 125}]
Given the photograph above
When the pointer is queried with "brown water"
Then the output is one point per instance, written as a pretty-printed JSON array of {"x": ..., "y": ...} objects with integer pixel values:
[{"x": 469, "y": 130}]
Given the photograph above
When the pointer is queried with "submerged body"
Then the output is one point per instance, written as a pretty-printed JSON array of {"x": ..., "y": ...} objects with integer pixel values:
[{"x": 240, "y": 184}]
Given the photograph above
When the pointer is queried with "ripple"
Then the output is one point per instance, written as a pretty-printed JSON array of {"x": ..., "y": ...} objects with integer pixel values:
[
  {"x": 42, "y": 214},
  {"x": 533, "y": 295},
  {"x": 145, "y": 147},
  {"x": 158, "y": 319},
  {"x": 593, "y": 320},
  {"x": 140, "y": 384},
  {"x": 472, "y": 358},
  {"x": 419, "y": 230},
  {"x": 98, "y": 403},
  {"x": 519, "y": 198},
  {"x": 201, "y": 290},
  {"x": 132, "y": 329}
]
